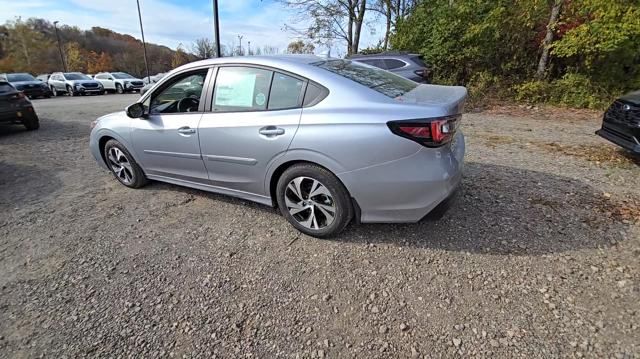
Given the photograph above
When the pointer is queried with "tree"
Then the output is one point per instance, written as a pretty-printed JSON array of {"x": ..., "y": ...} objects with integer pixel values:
[
  {"x": 331, "y": 20},
  {"x": 23, "y": 46},
  {"x": 392, "y": 11},
  {"x": 99, "y": 63},
  {"x": 556, "y": 7},
  {"x": 203, "y": 48},
  {"x": 179, "y": 57},
  {"x": 300, "y": 47},
  {"x": 270, "y": 50},
  {"x": 76, "y": 60}
]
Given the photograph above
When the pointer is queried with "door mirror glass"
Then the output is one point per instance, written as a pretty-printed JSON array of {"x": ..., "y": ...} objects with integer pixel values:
[{"x": 135, "y": 110}]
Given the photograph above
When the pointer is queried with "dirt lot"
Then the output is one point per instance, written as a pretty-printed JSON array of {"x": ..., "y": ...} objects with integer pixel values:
[{"x": 538, "y": 258}]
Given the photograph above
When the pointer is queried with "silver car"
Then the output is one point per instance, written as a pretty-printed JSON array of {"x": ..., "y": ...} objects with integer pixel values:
[
  {"x": 73, "y": 84},
  {"x": 326, "y": 140}
]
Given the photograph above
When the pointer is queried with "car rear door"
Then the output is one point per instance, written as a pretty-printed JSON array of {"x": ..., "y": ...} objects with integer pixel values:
[
  {"x": 166, "y": 140},
  {"x": 255, "y": 113}
]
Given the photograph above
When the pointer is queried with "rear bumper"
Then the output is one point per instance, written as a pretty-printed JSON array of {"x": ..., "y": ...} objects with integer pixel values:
[
  {"x": 624, "y": 140},
  {"x": 407, "y": 189},
  {"x": 16, "y": 115}
]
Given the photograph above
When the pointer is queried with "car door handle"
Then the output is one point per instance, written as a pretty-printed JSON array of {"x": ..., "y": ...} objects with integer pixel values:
[
  {"x": 186, "y": 130},
  {"x": 271, "y": 131}
]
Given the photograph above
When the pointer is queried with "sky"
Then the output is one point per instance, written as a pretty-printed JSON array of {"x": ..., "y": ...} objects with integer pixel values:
[{"x": 174, "y": 22}]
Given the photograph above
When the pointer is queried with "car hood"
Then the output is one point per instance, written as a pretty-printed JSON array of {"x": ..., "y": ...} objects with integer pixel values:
[
  {"x": 26, "y": 83},
  {"x": 633, "y": 97}
]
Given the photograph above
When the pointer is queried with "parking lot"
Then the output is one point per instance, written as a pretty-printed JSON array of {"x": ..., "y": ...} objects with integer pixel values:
[{"x": 539, "y": 256}]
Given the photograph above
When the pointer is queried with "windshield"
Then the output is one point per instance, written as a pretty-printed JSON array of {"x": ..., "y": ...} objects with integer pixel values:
[
  {"x": 76, "y": 76},
  {"x": 374, "y": 78},
  {"x": 122, "y": 75},
  {"x": 20, "y": 77}
]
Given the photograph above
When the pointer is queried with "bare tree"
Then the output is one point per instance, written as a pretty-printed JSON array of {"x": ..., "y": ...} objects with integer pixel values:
[
  {"x": 270, "y": 50},
  {"x": 203, "y": 48},
  {"x": 392, "y": 11},
  {"x": 331, "y": 19},
  {"x": 556, "y": 7}
]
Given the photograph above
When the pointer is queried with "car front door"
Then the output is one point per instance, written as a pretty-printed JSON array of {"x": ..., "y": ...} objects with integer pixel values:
[
  {"x": 255, "y": 113},
  {"x": 166, "y": 140},
  {"x": 109, "y": 82},
  {"x": 58, "y": 82}
]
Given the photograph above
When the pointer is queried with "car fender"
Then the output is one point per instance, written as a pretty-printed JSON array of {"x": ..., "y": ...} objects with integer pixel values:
[
  {"x": 301, "y": 155},
  {"x": 125, "y": 140}
]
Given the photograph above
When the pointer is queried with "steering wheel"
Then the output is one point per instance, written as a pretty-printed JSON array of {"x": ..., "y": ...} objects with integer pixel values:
[{"x": 188, "y": 104}]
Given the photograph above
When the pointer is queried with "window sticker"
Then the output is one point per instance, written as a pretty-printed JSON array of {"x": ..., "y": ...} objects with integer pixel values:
[
  {"x": 260, "y": 99},
  {"x": 235, "y": 89}
]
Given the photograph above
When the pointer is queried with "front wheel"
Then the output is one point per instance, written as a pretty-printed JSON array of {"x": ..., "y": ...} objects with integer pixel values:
[
  {"x": 123, "y": 166},
  {"x": 70, "y": 91},
  {"x": 54, "y": 92},
  {"x": 314, "y": 200},
  {"x": 119, "y": 89}
]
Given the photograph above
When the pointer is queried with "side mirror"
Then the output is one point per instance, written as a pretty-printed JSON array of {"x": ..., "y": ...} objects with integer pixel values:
[{"x": 135, "y": 110}]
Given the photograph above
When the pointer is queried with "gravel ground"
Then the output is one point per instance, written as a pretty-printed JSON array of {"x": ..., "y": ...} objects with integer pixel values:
[{"x": 538, "y": 257}]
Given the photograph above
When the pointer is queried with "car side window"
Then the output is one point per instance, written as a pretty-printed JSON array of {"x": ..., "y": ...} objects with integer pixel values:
[
  {"x": 285, "y": 92},
  {"x": 379, "y": 63},
  {"x": 181, "y": 95},
  {"x": 393, "y": 64},
  {"x": 241, "y": 89}
]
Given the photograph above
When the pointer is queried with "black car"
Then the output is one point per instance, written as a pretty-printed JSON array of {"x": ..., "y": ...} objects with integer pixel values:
[
  {"x": 28, "y": 84},
  {"x": 15, "y": 107},
  {"x": 621, "y": 122}
]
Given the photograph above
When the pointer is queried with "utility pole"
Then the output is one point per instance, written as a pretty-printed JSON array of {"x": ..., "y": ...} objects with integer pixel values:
[
  {"x": 64, "y": 64},
  {"x": 216, "y": 27},
  {"x": 144, "y": 44},
  {"x": 249, "y": 48},
  {"x": 240, "y": 47}
]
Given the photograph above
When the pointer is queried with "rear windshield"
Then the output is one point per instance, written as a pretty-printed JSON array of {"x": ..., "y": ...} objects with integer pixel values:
[
  {"x": 76, "y": 76},
  {"x": 5, "y": 87},
  {"x": 419, "y": 61},
  {"x": 19, "y": 77},
  {"x": 385, "y": 82}
]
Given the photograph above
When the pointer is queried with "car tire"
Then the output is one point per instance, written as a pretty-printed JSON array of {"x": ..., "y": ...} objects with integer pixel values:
[
  {"x": 322, "y": 215},
  {"x": 119, "y": 89},
  {"x": 54, "y": 92},
  {"x": 123, "y": 166},
  {"x": 70, "y": 91},
  {"x": 31, "y": 121}
]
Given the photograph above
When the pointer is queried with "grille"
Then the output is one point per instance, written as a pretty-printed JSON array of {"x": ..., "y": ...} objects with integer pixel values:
[
  {"x": 617, "y": 112},
  {"x": 137, "y": 83},
  {"x": 90, "y": 85}
]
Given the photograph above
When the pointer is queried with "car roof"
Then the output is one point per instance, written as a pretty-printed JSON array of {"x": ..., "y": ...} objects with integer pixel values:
[{"x": 384, "y": 54}]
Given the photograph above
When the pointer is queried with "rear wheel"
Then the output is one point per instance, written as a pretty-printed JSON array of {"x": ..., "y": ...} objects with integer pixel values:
[
  {"x": 313, "y": 200},
  {"x": 31, "y": 121},
  {"x": 123, "y": 166}
]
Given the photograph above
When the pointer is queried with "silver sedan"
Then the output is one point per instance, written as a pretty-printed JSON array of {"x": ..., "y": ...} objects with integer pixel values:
[{"x": 327, "y": 141}]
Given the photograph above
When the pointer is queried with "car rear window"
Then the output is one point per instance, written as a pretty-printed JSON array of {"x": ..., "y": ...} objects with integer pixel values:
[
  {"x": 419, "y": 61},
  {"x": 385, "y": 82}
]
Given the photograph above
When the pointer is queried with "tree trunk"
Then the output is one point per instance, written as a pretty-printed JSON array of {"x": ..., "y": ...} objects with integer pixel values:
[
  {"x": 358, "y": 23},
  {"x": 388, "y": 30},
  {"x": 350, "y": 36},
  {"x": 548, "y": 39}
]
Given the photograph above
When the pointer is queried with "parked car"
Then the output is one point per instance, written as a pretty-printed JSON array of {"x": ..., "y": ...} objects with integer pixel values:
[
  {"x": 621, "y": 122},
  {"x": 153, "y": 79},
  {"x": 119, "y": 82},
  {"x": 26, "y": 83},
  {"x": 15, "y": 107},
  {"x": 150, "y": 81},
  {"x": 73, "y": 84},
  {"x": 411, "y": 66},
  {"x": 325, "y": 140}
]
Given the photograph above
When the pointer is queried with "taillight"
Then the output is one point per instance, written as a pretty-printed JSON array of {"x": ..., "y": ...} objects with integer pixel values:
[
  {"x": 430, "y": 132},
  {"x": 419, "y": 73}
]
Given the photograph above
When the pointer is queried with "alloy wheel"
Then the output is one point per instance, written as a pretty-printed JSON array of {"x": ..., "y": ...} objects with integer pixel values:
[
  {"x": 310, "y": 203},
  {"x": 120, "y": 165}
]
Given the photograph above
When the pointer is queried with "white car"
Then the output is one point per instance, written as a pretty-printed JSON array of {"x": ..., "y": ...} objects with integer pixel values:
[{"x": 119, "y": 82}]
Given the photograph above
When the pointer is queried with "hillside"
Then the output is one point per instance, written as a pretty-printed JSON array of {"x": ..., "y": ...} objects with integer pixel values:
[{"x": 31, "y": 46}]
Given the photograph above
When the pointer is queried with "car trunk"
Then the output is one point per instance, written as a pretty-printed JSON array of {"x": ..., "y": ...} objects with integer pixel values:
[{"x": 449, "y": 99}]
